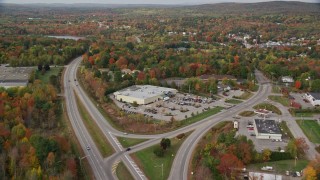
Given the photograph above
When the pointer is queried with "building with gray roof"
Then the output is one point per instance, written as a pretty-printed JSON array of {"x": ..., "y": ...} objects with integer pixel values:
[{"x": 267, "y": 129}]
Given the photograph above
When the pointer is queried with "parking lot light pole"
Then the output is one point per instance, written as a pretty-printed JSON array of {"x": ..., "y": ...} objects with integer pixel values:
[{"x": 80, "y": 158}]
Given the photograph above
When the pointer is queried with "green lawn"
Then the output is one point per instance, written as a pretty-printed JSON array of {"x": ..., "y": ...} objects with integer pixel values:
[
  {"x": 306, "y": 114},
  {"x": 280, "y": 99},
  {"x": 311, "y": 129},
  {"x": 276, "y": 89},
  {"x": 123, "y": 173},
  {"x": 46, "y": 76},
  {"x": 269, "y": 107},
  {"x": 151, "y": 164},
  {"x": 98, "y": 137},
  {"x": 233, "y": 101},
  {"x": 245, "y": 95},
  {"x": 281, "y": 166},
  {"x": 285, "y": 130},
  {"x": 201, "y": 116},
  {"x": 247, "y": 113},
  {"x": 127, "y": 142}
]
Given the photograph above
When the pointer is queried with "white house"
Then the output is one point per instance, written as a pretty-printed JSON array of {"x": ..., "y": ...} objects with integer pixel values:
[
  {"x": 287, "y": 79},
  {"x": 314, "y": 98}
]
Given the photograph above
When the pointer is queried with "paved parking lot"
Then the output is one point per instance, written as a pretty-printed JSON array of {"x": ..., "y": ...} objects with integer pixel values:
[
  {"x": 260, "y": 144},
  {"x": 298, "y": 97},
  {"x": 180, "y": 107}
]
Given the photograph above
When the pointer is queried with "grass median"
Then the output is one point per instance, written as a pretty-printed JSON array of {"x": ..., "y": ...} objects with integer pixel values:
[
  {"x": 280, "y": 99},
  {"x": 201, "y": 116},
  {"x": 123, "y": 173},
  {"x": 152, "y": 165},
  {"x": 233, "y": 101},
  {"x": 311, "y": 129},
  {"x": 128, "y": 142},
  {"x": 97, "y": 135}
]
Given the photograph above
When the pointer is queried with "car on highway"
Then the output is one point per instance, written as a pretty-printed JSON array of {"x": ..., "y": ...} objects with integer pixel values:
[{"x": 88, "y": 148}]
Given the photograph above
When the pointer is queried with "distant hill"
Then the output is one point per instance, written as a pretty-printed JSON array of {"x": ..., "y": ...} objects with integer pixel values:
[{"x": 262, "y": 7}]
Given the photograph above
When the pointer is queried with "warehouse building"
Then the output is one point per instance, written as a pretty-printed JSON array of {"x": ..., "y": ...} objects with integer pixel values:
[
  {"x": 267, "y": 129},
  {"x": 14, "y": 76},
  {"x": 314, "y": 98},
  {"x": 143, "y": 94}
]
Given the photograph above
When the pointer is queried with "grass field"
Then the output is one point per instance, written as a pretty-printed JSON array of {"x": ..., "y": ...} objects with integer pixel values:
[
  {"x": 46, "y": 76},
  {"x": 245, "y": 95},
  {"x": 269, "y": 107},
  {"x": 311, "y": 129},
  {"x": 281, "y": 166},
  {"x": 306, "y": 114},
  {"x": 123, "y": 173},
  {"x": 152, "y": 164},
  {"x": 276, "y": 89},
  {"x": 247, "y": 113},
  {"x": 127, "y": 142},
  {"x": 98, "y": 137},
  {"x": 280, "y": 99},
  {"x": 201, "y": 116},
  {"x": 285, "y": 130},
  {"x": 233, "y": 101}
]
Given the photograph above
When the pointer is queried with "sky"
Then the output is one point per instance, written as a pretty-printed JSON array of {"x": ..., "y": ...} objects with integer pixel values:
[{"x": 138, "y": 1}]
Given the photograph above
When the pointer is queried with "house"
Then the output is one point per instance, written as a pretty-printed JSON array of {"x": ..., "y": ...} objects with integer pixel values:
[
  {"x": 287, "y": 80},
  {"x": 314, "y": 98}
]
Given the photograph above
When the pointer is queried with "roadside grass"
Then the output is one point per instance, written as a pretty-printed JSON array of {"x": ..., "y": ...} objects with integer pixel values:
[
  {"x": 246, "y": 95},
  {"x": 269, "y": 107},
  {"x": 247, "y": 113},
  {"x": 281, "y": 166},
  {"x": 151, "y": 164},
  {"x": 276, "y": 89},
  {"x": 201, "y": 116},
  {"x": 123, "y": 173},
  {"x": 46, "y": 76},
  {"x": 305, "y": 114},
  {"x": 98, "y": 137},
  {"x": 128, "y": 142},
  {"x": 311, "y": 129},
  {"x": 233, "y": 101},
  {"x": 280, "y": 99},
  {"x": 285, "y": 130}
]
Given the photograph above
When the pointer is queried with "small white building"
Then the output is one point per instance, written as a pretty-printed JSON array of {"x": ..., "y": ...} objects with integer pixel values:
[
  {"x": 267, "y": 129},
  {"x": 287, "y": 79},
  {"x": 143, "y": 94},
  {"x": 235, "y": 124},
  {"x": 314, "y": 98}
]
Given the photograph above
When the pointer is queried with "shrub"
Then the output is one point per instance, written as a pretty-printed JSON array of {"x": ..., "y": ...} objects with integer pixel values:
[
  {"x": 318, "y": 149},
  {"x": 158, "y": 152},
  {"x": 278, "y": 156},
  {"x": 180, "y": 136}
]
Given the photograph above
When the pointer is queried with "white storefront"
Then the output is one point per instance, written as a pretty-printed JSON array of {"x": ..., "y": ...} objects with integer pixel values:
[{"x": 313, "y": 98}]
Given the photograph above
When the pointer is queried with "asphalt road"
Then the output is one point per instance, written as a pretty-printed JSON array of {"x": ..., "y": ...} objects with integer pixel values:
[{"x": 102, "y": 168}]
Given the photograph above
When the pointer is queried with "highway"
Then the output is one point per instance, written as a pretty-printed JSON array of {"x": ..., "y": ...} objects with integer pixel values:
[{"x": 102, "y": 168}]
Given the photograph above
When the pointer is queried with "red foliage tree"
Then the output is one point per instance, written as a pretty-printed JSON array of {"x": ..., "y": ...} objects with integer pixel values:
[
  {"x": 297, "y": 84},
  {"x": 229, "y": 165}
]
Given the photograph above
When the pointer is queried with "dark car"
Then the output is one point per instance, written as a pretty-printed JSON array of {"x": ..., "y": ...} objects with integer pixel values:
[{"x": 128, "y": 149}]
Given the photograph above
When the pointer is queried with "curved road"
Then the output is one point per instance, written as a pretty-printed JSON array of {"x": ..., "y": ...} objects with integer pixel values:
[{"x": 102, "y": 168}]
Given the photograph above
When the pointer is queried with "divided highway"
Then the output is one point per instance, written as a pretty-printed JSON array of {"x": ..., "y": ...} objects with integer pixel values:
[{"x": 102, "y": 168}]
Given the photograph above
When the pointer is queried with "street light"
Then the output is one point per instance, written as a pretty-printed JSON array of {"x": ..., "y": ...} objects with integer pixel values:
[
  {"x": 161, "y": 170},
  {"x": 80, "y": 158}
]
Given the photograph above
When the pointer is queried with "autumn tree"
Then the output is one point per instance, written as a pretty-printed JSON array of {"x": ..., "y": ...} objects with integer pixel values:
[{"x": 229, "y": 165}]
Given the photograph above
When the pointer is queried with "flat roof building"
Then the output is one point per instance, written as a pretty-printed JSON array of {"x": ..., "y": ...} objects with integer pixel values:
[
  {"x": 267, "y": 129},
  {"x": 14, "y": 76},
  {"x": 143, "y": 94}
]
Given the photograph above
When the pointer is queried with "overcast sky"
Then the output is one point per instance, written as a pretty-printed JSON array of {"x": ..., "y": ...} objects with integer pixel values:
[{"x": 137, "y": 1}]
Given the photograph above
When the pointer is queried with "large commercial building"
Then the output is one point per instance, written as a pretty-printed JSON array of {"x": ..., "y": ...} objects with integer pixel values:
[
  {"x": 267, "y": 129},
  {"x": 14, "y": 76},
  {"x": 143, "y": 94}
]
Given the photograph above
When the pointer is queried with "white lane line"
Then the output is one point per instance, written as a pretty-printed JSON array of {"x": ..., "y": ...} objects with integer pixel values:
[{"x": 132, "y": 164}]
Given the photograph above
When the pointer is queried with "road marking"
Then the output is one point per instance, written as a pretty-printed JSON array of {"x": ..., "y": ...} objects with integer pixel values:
[
  {"x": 139, "y": 172},
  {"x": 114, "y": 166}
]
